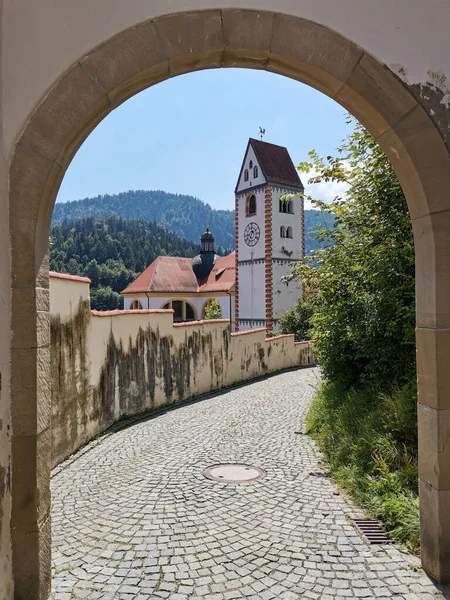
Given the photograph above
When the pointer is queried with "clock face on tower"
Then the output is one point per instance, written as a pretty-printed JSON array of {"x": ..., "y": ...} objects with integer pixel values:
[{"x": 251, "y": 234}]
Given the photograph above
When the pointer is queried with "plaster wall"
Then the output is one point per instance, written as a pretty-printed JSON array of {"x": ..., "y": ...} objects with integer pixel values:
[
  {"x": 5, "y": 340},
  {"x": 252, "y": 291},
  {"x": 66, "y": 294},
  {"x": 111, "y": 364},
  {"x": 41, "y": 39}
]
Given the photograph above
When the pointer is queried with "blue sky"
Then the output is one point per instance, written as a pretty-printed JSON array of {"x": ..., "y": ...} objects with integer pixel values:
[{"x": 188, "y": 135}]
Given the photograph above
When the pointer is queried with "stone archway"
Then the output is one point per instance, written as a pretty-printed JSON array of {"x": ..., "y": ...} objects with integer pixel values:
[{"x": 143, "y": 56}]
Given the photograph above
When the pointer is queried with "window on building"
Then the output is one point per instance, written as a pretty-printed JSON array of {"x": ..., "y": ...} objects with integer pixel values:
[
  {"x": 291, "y": 207},
  {"x": 183, "y": 311},
  {"x": 246, "y": 175},
  {"x": 207, "y": 305},
  {"x": 255, "y": 172},
  {"x": 289, "y": 232},
  {"x": 250, "y": 209},
  {"x": 281, "y": 205},
  {"x": 282, "y": 231},
  {"x": 135, "y": 305},
  {"x": 251, "y": 164}
]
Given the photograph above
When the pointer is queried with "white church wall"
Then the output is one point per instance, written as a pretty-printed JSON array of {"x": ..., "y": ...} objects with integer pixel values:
[
  {"x": 284, "y": 296},
  {"x": 252, "y": 181},
  {"x": 252, "y": 291},
  {"x": 286, "y": 247},
  {"x": 258, "y": 251}
]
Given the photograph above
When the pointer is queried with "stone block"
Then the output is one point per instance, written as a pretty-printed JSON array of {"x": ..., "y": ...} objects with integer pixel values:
[
  {"x": 435, "y": 534},
  {"x": 432, "y": 247},
  {"x": 192, "y": 40},
  {"x": 421, "y": 161},
  {"x": 382, "y": 92},
  {"x": 434, "y": 446},
  {"x": 312, "y": 53},
  {"x": 67, "y": 107},
  {"x": 129, "y": 63},
  {"x": 31, "y": 390},
  {"x": 247, "y": 37},
  {"x": 433, "y": 367},
  {"x": 24, "y": 315},
  {"x": 33, "y": 178}
]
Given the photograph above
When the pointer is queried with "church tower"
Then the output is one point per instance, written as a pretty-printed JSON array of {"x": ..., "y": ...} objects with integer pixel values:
[{"x": 269, "y": 235}]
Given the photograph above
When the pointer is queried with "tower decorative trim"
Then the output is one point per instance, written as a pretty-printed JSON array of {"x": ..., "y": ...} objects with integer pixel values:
[{"x": 268, "y": 253}]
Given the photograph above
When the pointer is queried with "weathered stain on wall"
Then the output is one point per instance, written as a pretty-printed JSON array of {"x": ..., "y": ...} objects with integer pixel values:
[{"x": 106, "y": 366}]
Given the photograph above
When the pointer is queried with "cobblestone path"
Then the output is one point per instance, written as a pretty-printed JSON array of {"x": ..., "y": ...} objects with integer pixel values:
[{"x": 135, "y": 518}]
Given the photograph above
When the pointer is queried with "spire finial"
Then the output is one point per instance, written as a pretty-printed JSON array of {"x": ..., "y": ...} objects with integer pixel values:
[{"x": 261, "y": 132}]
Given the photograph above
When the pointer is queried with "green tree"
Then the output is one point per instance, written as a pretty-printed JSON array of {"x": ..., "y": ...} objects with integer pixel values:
[
  {"x": 364, "y": 310},
  {"x": 213, "y": 310},
  {"x": 297, "y": 320}
]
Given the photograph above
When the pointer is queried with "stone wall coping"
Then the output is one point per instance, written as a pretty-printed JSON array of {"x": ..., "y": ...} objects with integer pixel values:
[
  {"x": 236, "y": 333},
  {"x": 278, "y": 337},
  {"x": 203, "y": 322},
  {"x": 138, "y": 311},
  {"x": 304, "y": 342},
  {"x": 69, "y": 277}
]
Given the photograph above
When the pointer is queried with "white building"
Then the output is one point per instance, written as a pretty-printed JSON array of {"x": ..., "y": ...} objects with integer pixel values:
[
  {"x": 269, "y": 224},
  {"x": 269, "y": 234}
]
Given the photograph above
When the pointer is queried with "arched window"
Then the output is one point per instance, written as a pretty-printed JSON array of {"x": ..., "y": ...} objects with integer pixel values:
[
  {"x": 281, "y": 205},
  {"x": 208, "y": 304},
  {"x": 246, "y": 175},
  {"x": 291, "y": 207},
  {"x": 183, "y": 311},
  {"x": 255, "y": 172},
  {"x": 289, "y": 232},
  {"x": 250, "y": 209},
  {"x": 135, "y": 305},
  {"x": 284, "y": 206},
  {"x": 282, "y": 231}
]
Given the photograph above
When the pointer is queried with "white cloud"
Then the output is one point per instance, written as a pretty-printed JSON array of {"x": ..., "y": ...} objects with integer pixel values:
[{"x": 325, "y": 190}]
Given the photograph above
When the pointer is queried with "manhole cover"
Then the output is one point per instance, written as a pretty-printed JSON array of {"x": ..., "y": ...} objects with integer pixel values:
[{"x": 234, "y": 473}]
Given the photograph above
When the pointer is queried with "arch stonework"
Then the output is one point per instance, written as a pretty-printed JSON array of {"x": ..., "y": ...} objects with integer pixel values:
[{"x": 139, "y": 57}]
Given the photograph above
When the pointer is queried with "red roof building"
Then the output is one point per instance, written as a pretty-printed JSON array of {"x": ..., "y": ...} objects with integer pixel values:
[{"x": 186, "y": 285}]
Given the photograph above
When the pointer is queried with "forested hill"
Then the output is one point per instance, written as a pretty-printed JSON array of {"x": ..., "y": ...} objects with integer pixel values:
[
  {"x": 185, "y": 216},
  {"x": 112, "y": 252}
]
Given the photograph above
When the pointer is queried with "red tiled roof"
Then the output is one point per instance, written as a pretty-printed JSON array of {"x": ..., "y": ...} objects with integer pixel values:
[
  {"x": 174, "y": 274},
  {"x": 222, "y": 276},
  {"x": 276, "y": 163}
]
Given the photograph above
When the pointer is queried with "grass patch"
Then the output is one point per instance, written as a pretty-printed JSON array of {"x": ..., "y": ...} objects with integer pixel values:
[{"x": 370, "y": 441}]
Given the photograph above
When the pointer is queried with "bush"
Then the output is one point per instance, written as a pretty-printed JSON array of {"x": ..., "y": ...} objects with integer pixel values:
[
  {"x": 369, "y": 438},
  {"x": 213, "y": 310},
  {"x": 364, "y": 310},
  {"x": 297, "y": 320}
]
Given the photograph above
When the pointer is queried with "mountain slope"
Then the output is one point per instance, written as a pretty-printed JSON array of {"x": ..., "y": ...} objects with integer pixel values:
[{"x": 183, "y": 215}]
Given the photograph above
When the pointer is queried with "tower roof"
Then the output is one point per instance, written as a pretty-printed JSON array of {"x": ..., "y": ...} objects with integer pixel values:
[{"x": 276, "y": 164}]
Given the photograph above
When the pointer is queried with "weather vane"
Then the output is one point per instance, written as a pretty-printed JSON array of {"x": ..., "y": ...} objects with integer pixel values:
[{"x": 262, "y": 132}]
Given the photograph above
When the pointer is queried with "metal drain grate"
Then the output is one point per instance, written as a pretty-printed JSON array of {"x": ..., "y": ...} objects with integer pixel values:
[{"x": 372, "y": 531}]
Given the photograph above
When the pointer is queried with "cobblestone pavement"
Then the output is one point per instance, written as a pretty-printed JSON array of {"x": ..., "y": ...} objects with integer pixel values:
[{"x": 135, "y": 518}]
